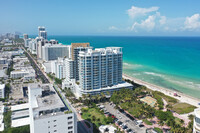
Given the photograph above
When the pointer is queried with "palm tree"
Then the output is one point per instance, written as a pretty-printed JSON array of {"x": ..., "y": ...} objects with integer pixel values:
[
  {"x": 98, "y": 98},
  {"x": 83, "y": 96},
  {"x": 102, "y": 95},
  {"x": 93, "y": 98}
]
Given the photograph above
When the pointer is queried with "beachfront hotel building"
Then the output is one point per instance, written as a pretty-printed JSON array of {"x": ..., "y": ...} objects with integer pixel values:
[
  {"x": 100, "y": 70},
  {"x": 196, "y": 126},
  {"x": 53, "y": 51},
  {"x": 48, "y": 113}
]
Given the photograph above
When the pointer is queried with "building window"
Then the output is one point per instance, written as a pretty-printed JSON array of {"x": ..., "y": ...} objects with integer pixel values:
[
  {"x": 54, "y": 125},
  {"x": 54, "y": 121},
  {"x": 70, "y": 127},
  {"x": 70, "y": 117},
  {"x": 70, "y": 132},
  {"x": 69, "y": 122},
  {"x": 55, "y": 130}
]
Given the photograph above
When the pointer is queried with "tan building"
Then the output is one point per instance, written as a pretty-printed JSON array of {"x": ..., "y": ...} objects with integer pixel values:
[{"x": 75, "y": 45}]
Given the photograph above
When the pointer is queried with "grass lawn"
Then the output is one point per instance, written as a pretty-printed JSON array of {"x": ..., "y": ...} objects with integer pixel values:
[
  {"x": 183, "y": 108},
  {"x": 147, "y": 122},
  {"x": 170, "y": 100},
  {"x": 95, "y": 116}
]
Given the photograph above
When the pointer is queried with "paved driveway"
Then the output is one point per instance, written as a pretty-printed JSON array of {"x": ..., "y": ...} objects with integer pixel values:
[{"x": 125, "y": 119}]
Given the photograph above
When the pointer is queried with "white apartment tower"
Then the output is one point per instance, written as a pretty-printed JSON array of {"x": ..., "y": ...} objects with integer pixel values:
[
  {"x": 69, "y": 69},
  {"x": 48, "y": 114},
  {"x": 42, "y": 32},
  {"x": 100, "y": 68}
]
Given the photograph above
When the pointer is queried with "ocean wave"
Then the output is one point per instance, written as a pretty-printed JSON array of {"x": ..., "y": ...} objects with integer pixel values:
[
  {"x": 154, "y": 74},
  {"x": 136, "y": 74},
  {"x": 187, "y": 84},
  {"x": 128, "y": 65}
]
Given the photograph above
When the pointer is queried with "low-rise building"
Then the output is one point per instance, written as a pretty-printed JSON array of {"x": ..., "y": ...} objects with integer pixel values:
[
  {"x": 26, "y": 73},
  {"x": 48, "y": 113}
]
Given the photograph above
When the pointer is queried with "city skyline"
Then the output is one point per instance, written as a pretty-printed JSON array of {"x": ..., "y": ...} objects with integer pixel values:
[{"x": 131, "y": 18}]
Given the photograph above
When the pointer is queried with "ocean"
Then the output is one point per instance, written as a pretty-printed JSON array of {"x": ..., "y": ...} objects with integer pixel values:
[{"x": 171, "y": 62}]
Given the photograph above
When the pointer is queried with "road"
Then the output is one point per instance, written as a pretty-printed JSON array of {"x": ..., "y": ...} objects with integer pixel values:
[
  {"x": 34, "y": 64},
  {"x": 125, "y": 119},
  {"x": 81, "y": 128}
]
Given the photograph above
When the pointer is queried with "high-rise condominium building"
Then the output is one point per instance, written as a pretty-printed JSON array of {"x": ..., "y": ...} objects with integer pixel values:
[
  {"x": 25, "y": 36},
  {"x": 16, "y": 37},
  {"x": 196, "y": 125},
  {"x": 48, "y": 113},
  {"x": 75, "y": 49},
  {"x": 69, "y": 69},
  {"x": 40, "y": 28},
  {"x": 42, "y": 32},
  {"x": 100, "y": 70},
  {"x": 52, "y": 52},
  {"x": 40, "y": 43}
]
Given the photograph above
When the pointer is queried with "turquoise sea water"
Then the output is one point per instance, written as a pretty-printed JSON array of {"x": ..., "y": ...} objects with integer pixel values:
[{"x": 171, "y": 62}]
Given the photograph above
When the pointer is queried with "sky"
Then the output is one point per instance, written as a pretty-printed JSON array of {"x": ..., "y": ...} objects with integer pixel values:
[{"x": 102, "y": 17}]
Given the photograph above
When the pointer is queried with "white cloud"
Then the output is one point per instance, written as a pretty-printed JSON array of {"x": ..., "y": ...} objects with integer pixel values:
[
  {"x": 113, "y": 28},
  {"x": 147, "y": 24},
  {"x": 192, "y": 23},
  {"x": 162, "y": 20},
  {"x": 137, "y": 11}
]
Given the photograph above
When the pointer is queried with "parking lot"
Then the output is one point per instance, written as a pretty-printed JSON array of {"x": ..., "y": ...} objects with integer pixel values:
[{"x": 130, "y": 124}]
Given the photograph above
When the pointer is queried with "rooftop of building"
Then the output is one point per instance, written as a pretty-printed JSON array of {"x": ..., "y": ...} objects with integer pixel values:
[
  {"x": 47, "y": 102},
  {"x": 20, "y": 107},
  {"x": 20, "y": 122},
  {"x": 23, "y": 70},
  {"x": 49, "y": 45},
  {"x": 102, "y": 51},
  {"x": 20, "y": 114}
]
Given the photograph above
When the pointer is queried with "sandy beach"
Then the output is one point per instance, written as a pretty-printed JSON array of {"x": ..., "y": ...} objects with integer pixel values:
[{"x": 182, "y": 97}]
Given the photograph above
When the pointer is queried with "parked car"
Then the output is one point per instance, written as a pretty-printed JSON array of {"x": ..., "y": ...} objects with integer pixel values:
[
  {"x": 130, "y": 131},
  {"x": 115, "y": 120},
  {"x": 113, "y": 116},
  {"x": 119, "y": 123}
]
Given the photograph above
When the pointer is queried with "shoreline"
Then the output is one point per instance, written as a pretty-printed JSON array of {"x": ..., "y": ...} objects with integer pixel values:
[{"x": 183, "y": 97}]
